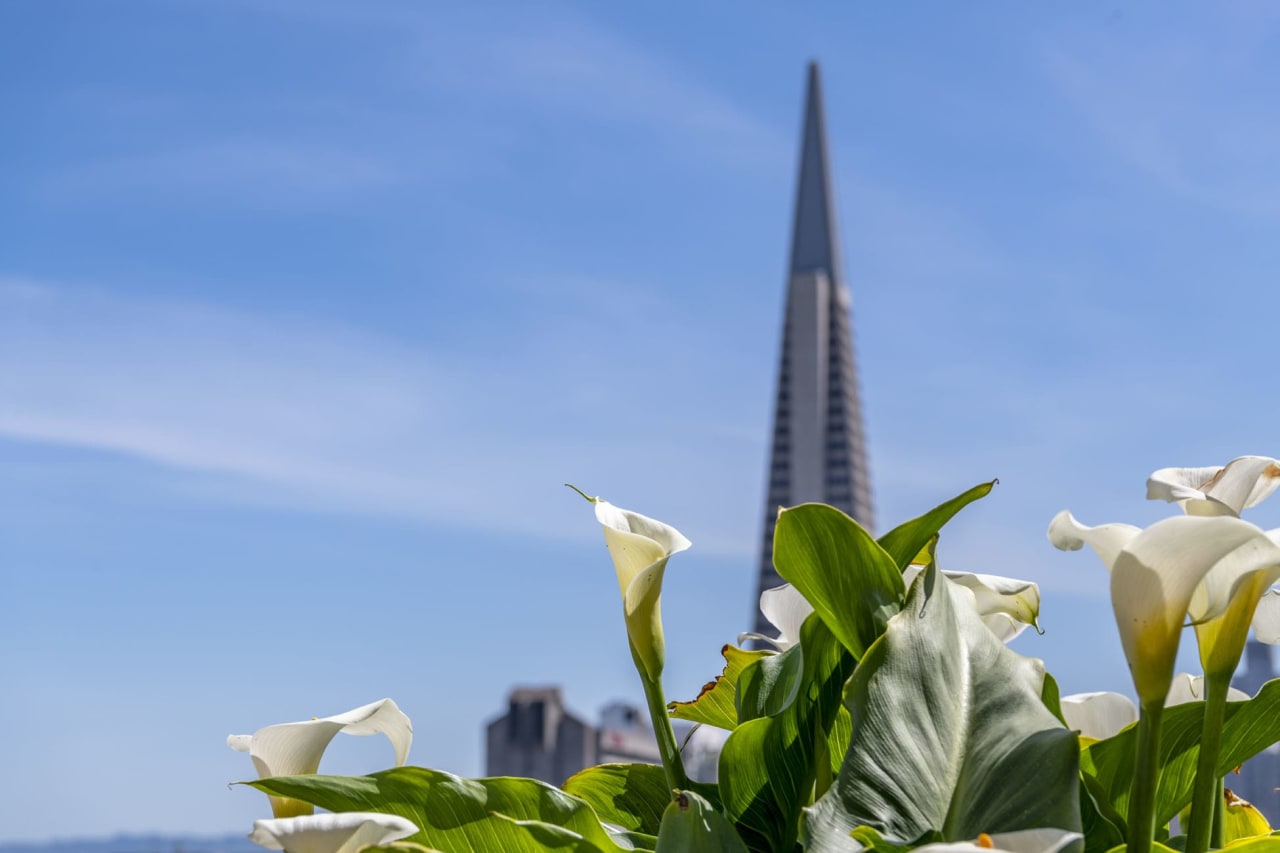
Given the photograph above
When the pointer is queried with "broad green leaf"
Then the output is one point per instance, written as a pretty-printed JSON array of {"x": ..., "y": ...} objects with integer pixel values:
[
  {"x": 768, "y": 765},
  {"x": 950, "y": 734},
  {"x": 1265, "y": 844},
  {"x": 1249, "y": 728},
  {"x": 1102, "y": 831},
  {"x": 768, "y": 686},
  {"x": 853, "y": 585},
  {"x": 904, "y": 542},
  {"x": 454, "y": 814},
  {"x": 692, "y": 825},
  {"x": 716, "y": 705},
  {"x": 1052, "y": 697},
  {"x": 548, "y": 836},
  {"x": 633, "y": 796}
]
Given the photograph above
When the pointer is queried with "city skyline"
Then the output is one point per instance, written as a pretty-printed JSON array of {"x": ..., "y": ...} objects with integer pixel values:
[{"x": 308, "y": 309}]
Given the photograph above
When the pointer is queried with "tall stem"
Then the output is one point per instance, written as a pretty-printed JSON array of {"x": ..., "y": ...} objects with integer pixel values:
[
  {"x": 1142, "y": 794},
  {"x": 1218, "y": 838},
  {"x": 672, "y": 763},
  {"x": 1207, "y": 792}
]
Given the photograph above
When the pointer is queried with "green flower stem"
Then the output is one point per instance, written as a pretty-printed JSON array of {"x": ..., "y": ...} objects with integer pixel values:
[
  {"x": 1146, "y": 771},
  {"x": 1207, "y": 792},
  {"x": 672, "y": 763},
  {"x": 1218, "y": 838}
]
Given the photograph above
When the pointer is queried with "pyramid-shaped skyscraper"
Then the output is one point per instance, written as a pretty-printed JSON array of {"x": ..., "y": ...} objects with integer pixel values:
[{"x": 819, "y": 451}]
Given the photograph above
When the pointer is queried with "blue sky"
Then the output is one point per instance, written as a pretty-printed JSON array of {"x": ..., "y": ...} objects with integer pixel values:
[{"x": 308, "y": 309}]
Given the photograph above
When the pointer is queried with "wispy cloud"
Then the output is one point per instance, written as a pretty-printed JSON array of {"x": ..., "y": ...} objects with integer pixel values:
[
  {"x": 253, "y": 172},
  {"x": 324, "y": 417},
  {"x": 1193, "y": 112}
]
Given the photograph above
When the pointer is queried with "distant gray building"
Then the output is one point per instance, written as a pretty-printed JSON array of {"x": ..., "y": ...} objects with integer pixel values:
[
  {"x": 819, "y": 451},
  {"x": 539, "y": 739},
  {"x": 1260, "y": 776}
]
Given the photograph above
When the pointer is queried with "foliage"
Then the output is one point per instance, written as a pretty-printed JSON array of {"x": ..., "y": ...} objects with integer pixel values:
[{"x": 893, "y": 717}]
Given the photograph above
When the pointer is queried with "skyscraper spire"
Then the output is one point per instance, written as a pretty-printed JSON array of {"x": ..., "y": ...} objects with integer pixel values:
[{"x": 819, "y": 451}]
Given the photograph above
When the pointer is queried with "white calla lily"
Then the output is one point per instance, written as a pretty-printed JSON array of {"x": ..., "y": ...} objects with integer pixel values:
[
  {"x": 786, "y": 609},
  {"x": 1190, "y": 688},
  {"x": 293, "y": 749},
  {"x": 347, "y": 832},
  {"x": 1007, "y": 605},
  {"x": 1223, "y": 490},
  {"x": 1023, "y": 841},
  {"x": 1266, "y": 618},
  {"x": 1177, "y": 567},
  {"x": 1098, "y": 715},
  {"x": 640, "y": 548}
]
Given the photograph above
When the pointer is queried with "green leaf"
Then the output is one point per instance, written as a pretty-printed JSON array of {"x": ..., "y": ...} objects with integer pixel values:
[
  {"x": 633, "y": 796},
  {"x": 1052, "y": 697},
  {"x": 768, "y": 765},
  {"x": 905, "y": 541},
  {"x": 768, "y": 686},
  {"x": 455, "y": 814},
  {"x": 692, "y": 825},
  {"x": 716, "y": 705},
  {"x": 1102, "y": 831},
  {"x": 950, "y": 734},
  {"x": 852, "y": 583},
  {"x": 1249, "y": 728}
]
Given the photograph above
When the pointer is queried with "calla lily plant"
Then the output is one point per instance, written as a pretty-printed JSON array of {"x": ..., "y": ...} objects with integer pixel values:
[
  {"x": 887, "y": 715},
  {"x": 292, "y": 749}
]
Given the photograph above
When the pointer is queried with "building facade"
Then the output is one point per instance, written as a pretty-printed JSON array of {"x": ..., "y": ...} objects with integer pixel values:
[
  {"x": 1258, "y": 780},
  {"x": 818, "y": 448}
]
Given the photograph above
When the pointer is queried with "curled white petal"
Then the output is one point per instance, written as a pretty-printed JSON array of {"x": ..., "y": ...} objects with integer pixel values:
[
  {"x": 1098, "y": 715},
  {"x": 1223, "y": 490},
  {"x": 1046, "y": 840},
  {"x": 1190, "y": 688},
  {"x": 330, "y": 833},
  {"x": 1007, "y": 605},
  {"x": 1266, "y": 619},
  {"x": 291, "y": 749},
  {"x": 1106, "y": 540},
  {"x": 1155, "y": 577},
  {"x": 786, "y": 609},
  {"x": 636, "y": 542}
]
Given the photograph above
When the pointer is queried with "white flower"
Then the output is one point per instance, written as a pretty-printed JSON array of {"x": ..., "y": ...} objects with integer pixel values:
[
  {"x": 1023, "y": 841},
  {"x": 1007, "y": 605},
  {"x": 1178, "y": 567},
  {"x": 640, "y": 548},
  {"x": 1098, "y": 715},
  {"x": 1224, "y": 490},
  {"x": 347, "y": 832},
  {"x": 1190, "y": 688},
  {"x": 1102, "y": 715},
  {"x": 294, "y": 749},
  {"x": 786, "y": 609}
]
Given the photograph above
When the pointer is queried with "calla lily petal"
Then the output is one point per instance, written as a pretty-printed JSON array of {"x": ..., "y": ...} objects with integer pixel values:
[
  {"x": 1190, "y": 688},
  {"x": 1155, "y": 577},
  {"x": 640, "y": 547},
  {"x": 1106, "y": 540},
  {"x": 293, "y": 749},
  {"x": 786, "y": 609},
  {"x": 1007, "y": 605},
  {"x": 1224, "y": 490},
  {"x": 1024, "y": 841},
  {"x": 1266, "y": 619},
  {"x": 331, "y": 833},
  {"x": 1098, "y": 715}
]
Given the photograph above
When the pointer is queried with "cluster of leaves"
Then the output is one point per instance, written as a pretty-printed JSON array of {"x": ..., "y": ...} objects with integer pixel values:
[{"x": 897, "y": 721}]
